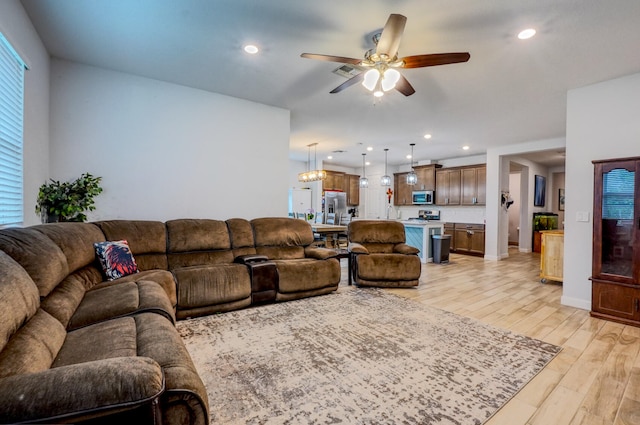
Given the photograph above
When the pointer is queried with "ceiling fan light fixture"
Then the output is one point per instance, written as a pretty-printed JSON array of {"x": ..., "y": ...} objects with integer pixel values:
[
  {"x": 371, "y": 77},
  {"x": 390, "y": 79}
]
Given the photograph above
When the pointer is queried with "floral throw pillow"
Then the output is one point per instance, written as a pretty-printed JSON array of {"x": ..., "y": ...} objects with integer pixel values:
[{"x": 116, "y": 259}]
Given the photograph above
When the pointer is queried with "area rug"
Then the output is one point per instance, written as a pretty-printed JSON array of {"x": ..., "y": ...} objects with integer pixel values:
[{"x": 358, "y": 356}]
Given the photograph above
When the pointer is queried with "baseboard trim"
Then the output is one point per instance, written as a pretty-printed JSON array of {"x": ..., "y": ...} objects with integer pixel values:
[
  {"x": 524, "y": 249},
  {"x": 576, "y": 302},
  {"x": 492, "y": 257}
]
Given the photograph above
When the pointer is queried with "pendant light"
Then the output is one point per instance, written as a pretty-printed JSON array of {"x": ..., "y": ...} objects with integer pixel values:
[
  {"x": 315, "y": 174},
  {"x": 412, "y": 178},
  {"x": 364, "y": 182},
  {"x": 386, "y": 179}
]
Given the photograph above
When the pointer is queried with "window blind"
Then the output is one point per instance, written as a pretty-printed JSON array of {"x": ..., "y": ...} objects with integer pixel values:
[
  {"x": 617, "y": 194},
  {"x": 11, "y": 130}
]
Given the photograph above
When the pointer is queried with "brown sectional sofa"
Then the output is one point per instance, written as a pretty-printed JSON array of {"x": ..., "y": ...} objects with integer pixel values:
[{"x": 77, "y": 348}]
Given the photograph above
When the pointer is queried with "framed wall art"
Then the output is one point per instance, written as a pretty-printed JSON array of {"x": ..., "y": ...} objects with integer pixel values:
[{"x": 539, "y": 191}]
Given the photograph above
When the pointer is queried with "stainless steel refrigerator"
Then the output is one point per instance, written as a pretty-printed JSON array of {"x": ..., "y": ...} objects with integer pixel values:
[{"x": 334, "y": 202}]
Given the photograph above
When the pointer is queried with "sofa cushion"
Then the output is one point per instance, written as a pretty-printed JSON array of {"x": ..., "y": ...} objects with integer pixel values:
[
  {"x": 104, "y": 340},
  {"x": 186, "y": 235},
  {"x": 194, "y": 242},
  {"x": 147, "y": 240},
  {"x": 84, "y": 391},
  {"x": 38, "y": 255},
  {"x": 185, "y": 397},
  {"x": 376, "y": 231},
  {"x": 281, "y": 231},
  {"x": 75, "y": 240},
  {"x": 307, "y": 274},
  {"x": 18, "y": 297},
  {"x": 33, "y": 347},
  {"x": 162, "y": 277},
  {"x": 116, "y": 259},
  {"x": 200, "y": 286},
  {"x": 388, "y": 267},
  {"x": 108, "y": 302},
  {"x": 241, "y": 234}
]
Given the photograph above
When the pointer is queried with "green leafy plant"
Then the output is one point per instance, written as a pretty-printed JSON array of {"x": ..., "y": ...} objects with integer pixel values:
[{"x": 68, "y": 201}]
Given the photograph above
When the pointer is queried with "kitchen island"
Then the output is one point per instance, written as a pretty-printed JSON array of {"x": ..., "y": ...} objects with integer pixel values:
[{"x": 419, "y": 234}]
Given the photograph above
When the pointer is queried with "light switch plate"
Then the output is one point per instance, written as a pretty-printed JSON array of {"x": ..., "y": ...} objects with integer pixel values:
[{"x": 582, "y": 216}]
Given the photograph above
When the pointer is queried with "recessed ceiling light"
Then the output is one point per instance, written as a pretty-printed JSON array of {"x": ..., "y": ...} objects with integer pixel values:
[
  {"x": 526, "y": 34},
  {"x": 427, "y": 136},
  {"x": 251, "y": 49},
  {"x": 409, "y": 156},
  {"x": 369, "y": 148},
  {"x": 329, "y": 157},
  {"x": 367, "y": 163},
  {"x": 465, "y": 147}
]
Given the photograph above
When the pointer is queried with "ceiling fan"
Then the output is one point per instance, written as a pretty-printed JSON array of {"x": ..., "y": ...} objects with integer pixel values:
[{"x": 379, "y": 65}]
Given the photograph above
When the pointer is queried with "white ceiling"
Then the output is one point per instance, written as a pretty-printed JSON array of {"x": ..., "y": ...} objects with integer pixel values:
[{"x": 510, "y": 91}]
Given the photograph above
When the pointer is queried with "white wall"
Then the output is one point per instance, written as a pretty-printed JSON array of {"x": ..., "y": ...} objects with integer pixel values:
[
  {"x": 166, "y": 151},
  {"x": 602, "y": 123},
  {"x": 17, "y": 28}
]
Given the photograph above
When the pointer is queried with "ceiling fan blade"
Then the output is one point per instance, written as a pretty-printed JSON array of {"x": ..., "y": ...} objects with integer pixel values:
[
  {"x": 330, "y": 58},
  {"x": 404, "y": 87},
  {"x": 351, "y": 81},
  {"x": 391, "y": 35},
  {"x": 420, "y": 61}
]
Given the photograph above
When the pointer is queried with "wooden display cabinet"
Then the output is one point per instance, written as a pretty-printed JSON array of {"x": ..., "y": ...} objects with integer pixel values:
[{"x": 616, "y": 241}]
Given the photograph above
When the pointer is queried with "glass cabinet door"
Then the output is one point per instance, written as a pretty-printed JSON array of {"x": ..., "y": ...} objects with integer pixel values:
[{"x": 615, "y": 219}]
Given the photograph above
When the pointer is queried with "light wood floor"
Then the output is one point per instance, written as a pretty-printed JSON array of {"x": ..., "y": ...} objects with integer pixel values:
[{"x": 595, "y": 380}]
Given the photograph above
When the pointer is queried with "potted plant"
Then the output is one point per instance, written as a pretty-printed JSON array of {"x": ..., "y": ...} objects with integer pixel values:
[{"x": 68, "y": 201}]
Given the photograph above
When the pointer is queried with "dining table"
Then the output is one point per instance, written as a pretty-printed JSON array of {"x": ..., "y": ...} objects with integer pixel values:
[{"x": 329, "y": 232}]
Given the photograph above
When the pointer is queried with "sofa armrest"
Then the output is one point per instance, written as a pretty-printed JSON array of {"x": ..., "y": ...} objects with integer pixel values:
[
  {"x": 80, "y": 391},
  {"x": 250, "y": 258},
  {"x": 403, "y": 248},
  {"x": 319, "y": 253},
  {"x": 357, "y": 248}
]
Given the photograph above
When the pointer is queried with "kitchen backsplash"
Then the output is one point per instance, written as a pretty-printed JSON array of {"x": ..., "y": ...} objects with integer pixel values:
[{"x": 472, "y": 215}]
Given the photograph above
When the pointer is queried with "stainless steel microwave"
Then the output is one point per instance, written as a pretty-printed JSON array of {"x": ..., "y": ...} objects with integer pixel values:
[{"x": 422, "y": 197}]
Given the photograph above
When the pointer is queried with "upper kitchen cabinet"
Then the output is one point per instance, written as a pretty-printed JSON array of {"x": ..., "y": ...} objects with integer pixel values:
[
  {"x": 335, "y": 181},
  {"x": 426, "y": 176},
  {"x": 473, "y": 185},
  {"x": 353, "y": 189},
  {"x": 402, "y": 194},
  {"x": 448, "y": 186}
]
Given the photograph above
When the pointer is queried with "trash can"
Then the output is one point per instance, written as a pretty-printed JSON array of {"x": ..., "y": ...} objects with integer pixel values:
[{"x": 441, "y": 246}]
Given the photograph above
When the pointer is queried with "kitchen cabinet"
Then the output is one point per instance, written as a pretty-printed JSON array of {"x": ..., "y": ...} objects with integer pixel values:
[
  {"x": 402, "y": 191},
  {"x": 551, "y": 255},
  {"x": 469, "y": 238},
  {"x": 335, "y": 181},
  {"x": 473, "y": 185},
  {"x": 448, "y": 186},
  {"x": 426, "y": 177},
  {"x": 353, "y": 189},
  {"x": 616, "y": 241}
]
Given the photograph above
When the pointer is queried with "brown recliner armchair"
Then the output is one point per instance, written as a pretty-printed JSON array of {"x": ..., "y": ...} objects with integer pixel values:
[{"x": 379, "y": 256}]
